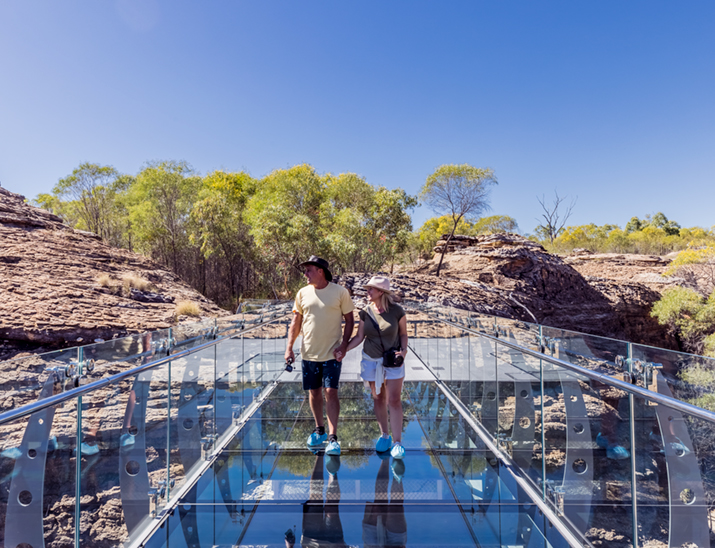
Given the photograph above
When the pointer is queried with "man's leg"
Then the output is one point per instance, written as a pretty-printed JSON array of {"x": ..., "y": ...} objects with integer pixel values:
[
  {"x": 315, "y": 398},
  {"x": 312, "y": 383},
  {"x": 333, "y": 405},
  {"x": 331, "y": 381}
]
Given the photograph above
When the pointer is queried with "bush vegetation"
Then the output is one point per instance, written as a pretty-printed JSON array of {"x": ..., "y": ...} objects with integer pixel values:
[
  {"x": 654, "y": 235},
  {"x": 187, "y": 308}
]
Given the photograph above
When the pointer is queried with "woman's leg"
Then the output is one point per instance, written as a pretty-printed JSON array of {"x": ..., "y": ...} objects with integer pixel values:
[
  {"x": 394, "y": 402},
  {"x": 380, "y": 405}
]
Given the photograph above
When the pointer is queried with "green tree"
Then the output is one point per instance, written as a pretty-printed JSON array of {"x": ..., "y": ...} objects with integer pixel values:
[
  {"x": 159, "y": 205},
  {"x": 690, "y": 317},
  {"x": 284, "y": 215},
  {"x": 495, "y": 224},
  {"x": 433, "y": 229},
  {"x": 93, "y": 189},
  {"x": 460, "y": 191},
  {"x": 219, "y": 228},
  {"x": 66, "y": 210},
  {"x": 634, "y": 225}
]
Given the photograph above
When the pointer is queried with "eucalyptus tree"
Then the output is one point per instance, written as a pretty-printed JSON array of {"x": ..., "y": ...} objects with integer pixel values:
[
  {"x": 460, "y": 191},
  {"x": 159, "y": 205},
  {"x": 364, "y": 228},
  {"x": 284, "y": 216},
  {"x": 219, "y": 228},
  {"x": 90, "y": 198}
]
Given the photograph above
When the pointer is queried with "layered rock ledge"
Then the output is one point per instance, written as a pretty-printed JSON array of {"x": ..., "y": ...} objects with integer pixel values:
[{"x": 60, "y": 286}]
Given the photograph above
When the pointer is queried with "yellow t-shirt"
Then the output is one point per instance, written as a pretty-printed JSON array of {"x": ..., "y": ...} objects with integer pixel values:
[{"x": 322, "y": 311}]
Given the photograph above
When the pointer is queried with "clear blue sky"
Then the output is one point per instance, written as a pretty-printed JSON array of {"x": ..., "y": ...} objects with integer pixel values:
[{"x": 610, "y": 101}]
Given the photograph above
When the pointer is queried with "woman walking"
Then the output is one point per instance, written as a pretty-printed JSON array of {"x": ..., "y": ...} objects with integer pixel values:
[{"x": 383, "y": 327}]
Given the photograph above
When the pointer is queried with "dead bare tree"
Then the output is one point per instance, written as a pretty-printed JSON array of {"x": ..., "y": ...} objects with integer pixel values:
[{"x": 555, "y": 215}]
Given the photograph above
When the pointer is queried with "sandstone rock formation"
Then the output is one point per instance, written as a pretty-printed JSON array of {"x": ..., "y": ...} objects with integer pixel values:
[
  {"x": 60, "y": 286},
  {"x": 648, "y": 270},
  {"x": 508, "y": 275}
]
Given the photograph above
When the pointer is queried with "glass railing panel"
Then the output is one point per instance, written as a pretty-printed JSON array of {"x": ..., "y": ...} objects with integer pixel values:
[
  {"x": 485, "y": 386},
  {"x": 675, "y": 459},
  {"x": 600, "y": 354},
  {"x": 187, "y": 336},
  {"x": 690, "y": 378},
  {"x": 483, "y": 323},
  {"x": 107, "y": 358},
  {"x": 23, "y": 379},
  {"x": 588, "y": 461},
  {"x": 520, "y": 408},
  {"x": 420, "y": 329},
  {"x": 123, "y": 455},
  {"x": 518, "y": 332},
  {"x": 192, "y": 407},
  {"x": 38, "y": 477}
]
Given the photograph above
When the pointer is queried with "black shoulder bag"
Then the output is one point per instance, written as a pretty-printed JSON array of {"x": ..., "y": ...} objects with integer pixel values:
[{"x": 389, "y": 357}]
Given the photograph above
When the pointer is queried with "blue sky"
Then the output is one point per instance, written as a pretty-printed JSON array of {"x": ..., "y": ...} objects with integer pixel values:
[{"x": 610, "y": 101}]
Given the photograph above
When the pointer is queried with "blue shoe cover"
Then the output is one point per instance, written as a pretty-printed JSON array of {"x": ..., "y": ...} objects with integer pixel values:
[
  {"x": 616, "y": 452},
  {"x": 333, "y": 448},
  {"x": 383, "y": 444},
  {"x": 316, "y": 439},
  {"x": 398, "y": 452}
]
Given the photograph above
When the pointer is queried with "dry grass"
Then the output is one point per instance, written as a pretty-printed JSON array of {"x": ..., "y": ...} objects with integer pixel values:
[
  {"x": 187, "y": 308},
  {"x": 131, "y": 281},
  {"x": 105, "y": 280}
]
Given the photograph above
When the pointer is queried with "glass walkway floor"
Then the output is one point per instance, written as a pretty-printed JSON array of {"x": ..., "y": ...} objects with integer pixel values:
[
  {"x": 267, "y": 489},
  {"x": 517, "y": 435}
]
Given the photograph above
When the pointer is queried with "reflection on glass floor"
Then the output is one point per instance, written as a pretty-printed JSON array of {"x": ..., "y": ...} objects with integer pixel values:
[{"x": 268, "y": 489}]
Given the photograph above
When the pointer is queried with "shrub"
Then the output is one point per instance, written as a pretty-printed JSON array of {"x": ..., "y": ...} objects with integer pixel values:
[
  {"x": 105, "y": 280},
  {"x": 187, "y": 308},
  {"x": 131, "y": 281}
]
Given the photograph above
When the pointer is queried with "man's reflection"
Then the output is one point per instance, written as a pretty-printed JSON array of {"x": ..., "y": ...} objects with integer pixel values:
[
  {"x": 384, "y": 522},
  {"x": 321, "y": 515}
]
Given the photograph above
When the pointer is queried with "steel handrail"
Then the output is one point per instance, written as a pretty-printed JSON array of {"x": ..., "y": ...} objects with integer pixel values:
[
  {"x": 50, "y": 401},
  {"x": 673, "y": 403}
]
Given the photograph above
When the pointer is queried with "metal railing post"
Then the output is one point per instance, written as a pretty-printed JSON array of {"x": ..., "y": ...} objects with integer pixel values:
[
  {"x": 632, "y": 431},
  {"x": 78, "y": 459}
]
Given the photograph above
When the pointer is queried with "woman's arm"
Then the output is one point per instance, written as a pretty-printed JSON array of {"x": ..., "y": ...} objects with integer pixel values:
[
  {"x": 402, "y": 326},
  {"x": 358, "y": 338}
]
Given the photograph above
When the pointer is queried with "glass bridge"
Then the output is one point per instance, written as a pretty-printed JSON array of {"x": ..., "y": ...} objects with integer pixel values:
[{"x": 517, "y": 435}]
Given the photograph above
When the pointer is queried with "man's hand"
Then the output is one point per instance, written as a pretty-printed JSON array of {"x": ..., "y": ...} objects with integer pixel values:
[
  {"x": 289, "y": 355},
  {"x": 340, "y": 352}
]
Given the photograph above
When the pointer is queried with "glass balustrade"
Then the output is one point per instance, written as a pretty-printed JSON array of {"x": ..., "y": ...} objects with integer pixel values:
[
  {"x": 95, "y": 469},
  {"x": 516, "y": 435}
]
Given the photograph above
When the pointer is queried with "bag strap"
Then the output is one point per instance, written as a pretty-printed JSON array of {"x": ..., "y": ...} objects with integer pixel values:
[{"x": 376, "y": 325}]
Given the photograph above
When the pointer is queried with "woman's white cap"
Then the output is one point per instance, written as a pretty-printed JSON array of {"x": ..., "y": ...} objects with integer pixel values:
[{"x": 381, "y": 283}]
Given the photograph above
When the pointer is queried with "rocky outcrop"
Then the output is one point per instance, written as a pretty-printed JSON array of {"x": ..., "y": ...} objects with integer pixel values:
[
  {"x": 508, "y": 275},
  {"x": 648, "y": 270},
  {"x": 60, "y": 286}
]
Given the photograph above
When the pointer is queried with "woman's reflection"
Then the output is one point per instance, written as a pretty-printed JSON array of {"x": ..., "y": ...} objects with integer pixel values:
[{"x": 384, "y": 522}]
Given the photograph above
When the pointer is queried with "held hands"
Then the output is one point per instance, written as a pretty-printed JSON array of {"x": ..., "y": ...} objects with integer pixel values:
[{"x": 340, "y": 352}]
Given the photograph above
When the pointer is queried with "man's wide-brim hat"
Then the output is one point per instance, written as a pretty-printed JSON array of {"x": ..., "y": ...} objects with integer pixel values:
[
  {"x": 321, "y": 263},
  {"x": 381, "y": 283}
]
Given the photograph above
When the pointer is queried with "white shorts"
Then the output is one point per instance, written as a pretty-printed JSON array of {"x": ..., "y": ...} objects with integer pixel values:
[{"x": 368, "y": 369}]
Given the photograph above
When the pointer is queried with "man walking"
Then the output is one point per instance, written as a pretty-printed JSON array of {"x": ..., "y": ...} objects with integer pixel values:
[{"x": 318, "y": 310}]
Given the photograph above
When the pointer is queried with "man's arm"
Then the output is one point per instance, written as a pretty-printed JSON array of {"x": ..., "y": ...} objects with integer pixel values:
[
  {"x": 293, "y": 332},
  {"x": 341, "y": 350}
]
